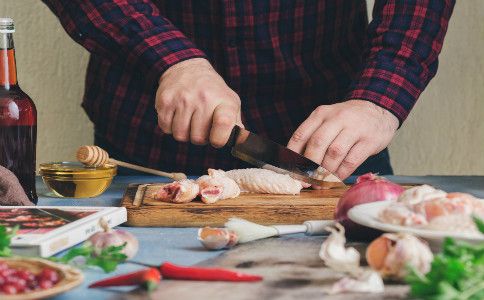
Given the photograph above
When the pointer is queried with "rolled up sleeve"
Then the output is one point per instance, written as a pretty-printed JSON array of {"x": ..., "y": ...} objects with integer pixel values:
[
  {"x": 132, "y": 30},
  {"x": 405, "y": 39}
]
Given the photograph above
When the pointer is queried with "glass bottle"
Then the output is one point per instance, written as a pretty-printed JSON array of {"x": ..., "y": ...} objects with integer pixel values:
[{"x": 18, "y": 117}]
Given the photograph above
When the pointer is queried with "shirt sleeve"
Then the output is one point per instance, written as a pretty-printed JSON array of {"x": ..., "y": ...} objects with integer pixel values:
[
  {"x": 405, "y": 38},
  {"x": 132, "y": 31}
]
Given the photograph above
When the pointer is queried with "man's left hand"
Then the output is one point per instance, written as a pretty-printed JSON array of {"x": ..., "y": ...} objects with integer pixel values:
[{"x": 342, "y": 136}]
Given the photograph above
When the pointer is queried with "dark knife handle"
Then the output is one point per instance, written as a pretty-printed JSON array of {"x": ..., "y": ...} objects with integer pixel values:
[{"x": 233, "y": 136}]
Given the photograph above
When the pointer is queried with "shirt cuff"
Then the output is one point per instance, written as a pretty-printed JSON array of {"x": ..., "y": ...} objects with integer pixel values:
[{"x": 392, "y": 87}]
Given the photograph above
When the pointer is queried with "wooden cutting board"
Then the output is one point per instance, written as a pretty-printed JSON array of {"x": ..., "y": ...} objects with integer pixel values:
[{"x": 266, "y": 209}]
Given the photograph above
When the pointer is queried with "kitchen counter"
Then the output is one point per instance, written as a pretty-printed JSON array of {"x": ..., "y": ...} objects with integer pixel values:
[{"x": 179, "y": 245}]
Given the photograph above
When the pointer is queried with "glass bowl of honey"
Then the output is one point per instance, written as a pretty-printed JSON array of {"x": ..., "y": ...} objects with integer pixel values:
[{"x": 75, "y": 180}]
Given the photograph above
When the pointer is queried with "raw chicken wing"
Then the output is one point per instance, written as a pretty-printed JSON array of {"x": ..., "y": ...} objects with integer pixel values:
[
  {"x": 182, "y": 191},
  {"x": 265, "y": 181},
  {"x": 217, "y": 186}
]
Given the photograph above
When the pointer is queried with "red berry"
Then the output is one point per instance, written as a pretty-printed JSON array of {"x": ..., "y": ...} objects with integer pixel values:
[
  {"x": 6, "y": 272},
  {"x": 11, "y": 279},
  {"x": 20, "y": 285},
  {"x": 49, "y": 274},
  {"x": 3, "y": 265},
  {"x": 9, "y": 289},
  {"x": 26, "y": 275},
  {"x": 45, "y": 284}
]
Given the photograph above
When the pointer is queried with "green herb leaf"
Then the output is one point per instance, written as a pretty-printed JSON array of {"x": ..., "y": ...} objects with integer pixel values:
[
  {"x": 6, "y": 235},
  {"x": 479, "y": 223},
  {"x": 83, "y": 250},
  {"x": 108, "y": 259},
  {"x": 456, "y": 273}
]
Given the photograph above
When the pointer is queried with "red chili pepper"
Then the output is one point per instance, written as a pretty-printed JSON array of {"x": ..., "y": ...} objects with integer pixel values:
[
  {"x": 146, "y": 278},
  {"x": 171, "y": 271}
]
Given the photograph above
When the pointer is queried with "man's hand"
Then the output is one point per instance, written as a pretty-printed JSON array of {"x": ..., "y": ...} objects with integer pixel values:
[
  {"x": 195, "y": 104},
  {"x": 343, "y": 135}
]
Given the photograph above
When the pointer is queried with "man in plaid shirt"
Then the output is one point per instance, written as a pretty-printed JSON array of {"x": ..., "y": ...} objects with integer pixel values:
[{"x": 167, "y": 80}]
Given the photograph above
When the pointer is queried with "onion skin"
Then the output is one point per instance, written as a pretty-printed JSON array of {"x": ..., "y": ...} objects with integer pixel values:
[
  {"x": 368, "y": 188},
  {"x": 377, "y": 252}
]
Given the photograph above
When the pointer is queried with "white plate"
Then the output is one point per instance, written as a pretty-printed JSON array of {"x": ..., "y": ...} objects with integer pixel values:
[{"x": 367, "y": 215}]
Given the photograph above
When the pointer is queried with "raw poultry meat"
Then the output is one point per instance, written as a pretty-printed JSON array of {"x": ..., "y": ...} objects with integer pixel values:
[
  {"x": 181, "y": 191},
  {"x": 217, "y": 186},
  {"x": 427, "y": 207},
  {"x": 399, "y": 214},
  {"x": 265, "y": 181},
  {"x": 420, "y": 194}
]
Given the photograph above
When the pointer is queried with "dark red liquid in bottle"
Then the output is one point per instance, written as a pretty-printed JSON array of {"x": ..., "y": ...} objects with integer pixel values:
[{"x": 18, "y": 121}]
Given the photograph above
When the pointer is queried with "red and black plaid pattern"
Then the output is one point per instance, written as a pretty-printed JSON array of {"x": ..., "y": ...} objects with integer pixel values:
[{"x": 284, "y": 58}]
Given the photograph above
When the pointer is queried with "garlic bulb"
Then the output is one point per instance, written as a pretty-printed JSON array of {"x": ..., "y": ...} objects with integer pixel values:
[
  {"x": 336, "y": 256},
  {"x": 109, "y": 237},
  {"x": 390, "y": 254}
]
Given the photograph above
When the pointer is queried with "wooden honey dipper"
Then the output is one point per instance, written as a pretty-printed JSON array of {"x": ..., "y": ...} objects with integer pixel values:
[{"x": 94, "y": 156}]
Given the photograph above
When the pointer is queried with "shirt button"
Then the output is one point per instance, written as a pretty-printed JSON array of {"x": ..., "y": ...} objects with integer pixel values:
[{"x": 232, "y": 43}]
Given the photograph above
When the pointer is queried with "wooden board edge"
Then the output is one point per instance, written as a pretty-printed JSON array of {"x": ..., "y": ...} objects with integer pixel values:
[{"x": 196, "y": 217}]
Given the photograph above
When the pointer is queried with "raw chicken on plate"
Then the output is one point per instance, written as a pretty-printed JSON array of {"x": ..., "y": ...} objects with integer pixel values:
[{"x": 426, "y": 207}]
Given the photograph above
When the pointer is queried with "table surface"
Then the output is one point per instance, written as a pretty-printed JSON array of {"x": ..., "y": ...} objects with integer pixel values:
[{"x": 179, "y": 245}]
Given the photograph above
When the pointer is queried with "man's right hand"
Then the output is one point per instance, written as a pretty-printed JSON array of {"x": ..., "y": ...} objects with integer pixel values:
[{"x": 195, "y": 104}]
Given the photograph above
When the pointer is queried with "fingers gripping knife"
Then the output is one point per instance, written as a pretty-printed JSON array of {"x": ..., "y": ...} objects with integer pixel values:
[{"x": 266, "y": 154}]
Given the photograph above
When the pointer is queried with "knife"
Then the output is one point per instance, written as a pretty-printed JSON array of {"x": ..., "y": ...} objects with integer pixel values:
[{"x": 267, "y": 154}]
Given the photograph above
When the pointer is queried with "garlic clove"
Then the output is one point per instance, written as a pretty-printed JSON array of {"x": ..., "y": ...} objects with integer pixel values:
[
  {"x": 335, "y": 255},
  {"x": 367, "y": 282},
  {"x": 347, "y": 260},
  {"x": 233, "y": 239},
  {"x": 132, "y": 244},
  {"x": 217, "y": 238}
]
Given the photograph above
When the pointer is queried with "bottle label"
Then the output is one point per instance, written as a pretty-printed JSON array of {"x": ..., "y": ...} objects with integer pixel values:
[{"x": 8, "y": 71}]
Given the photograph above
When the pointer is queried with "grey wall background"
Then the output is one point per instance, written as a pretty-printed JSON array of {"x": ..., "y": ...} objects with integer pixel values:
[{"x": 443, "y": 135}]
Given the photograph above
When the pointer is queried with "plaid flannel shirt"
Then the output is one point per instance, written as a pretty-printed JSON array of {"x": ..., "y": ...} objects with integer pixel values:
[{"x": 283, "y": 58}]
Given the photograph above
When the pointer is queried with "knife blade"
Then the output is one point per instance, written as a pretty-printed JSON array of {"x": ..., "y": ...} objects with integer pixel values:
[{"x": 264, "y": 153}]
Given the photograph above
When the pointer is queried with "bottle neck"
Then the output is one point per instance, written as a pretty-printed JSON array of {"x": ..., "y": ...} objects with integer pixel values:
[{"x": 8, "y": 69}]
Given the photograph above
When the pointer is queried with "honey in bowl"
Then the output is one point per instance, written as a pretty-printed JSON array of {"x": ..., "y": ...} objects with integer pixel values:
[{"x": 74, "y": 180}]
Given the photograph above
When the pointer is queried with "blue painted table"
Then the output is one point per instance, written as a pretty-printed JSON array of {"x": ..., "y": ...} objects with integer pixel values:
[{"x": 179, "y": 245}]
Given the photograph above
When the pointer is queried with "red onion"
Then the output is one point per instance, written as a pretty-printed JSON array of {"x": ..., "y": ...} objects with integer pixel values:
[{"x": 368, "y": 188}]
